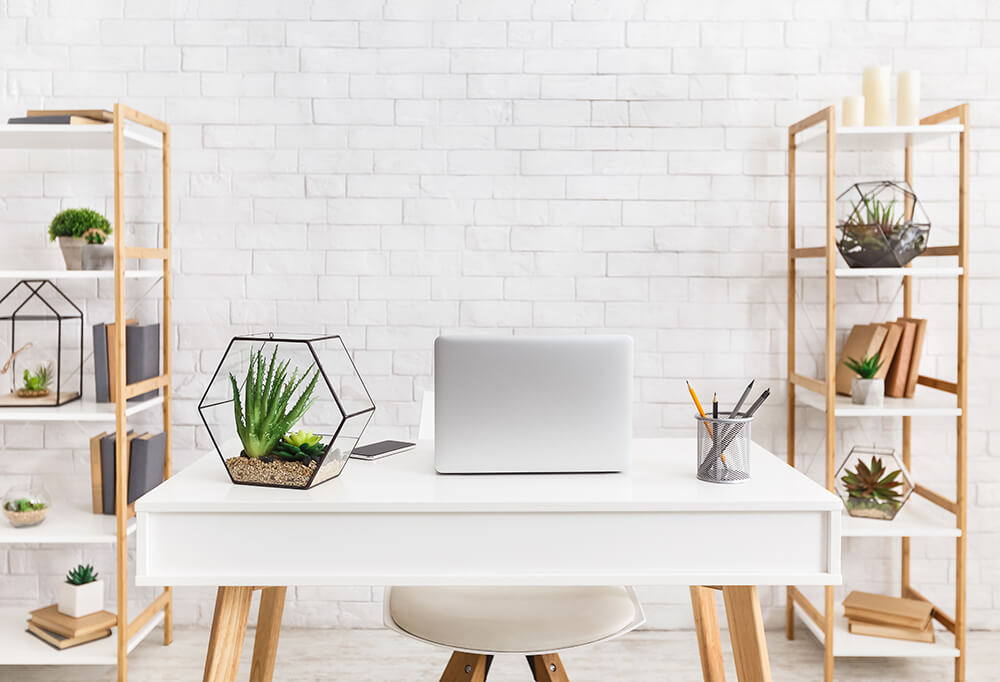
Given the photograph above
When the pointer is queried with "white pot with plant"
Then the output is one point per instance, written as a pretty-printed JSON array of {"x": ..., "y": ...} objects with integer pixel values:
[
  {"x": 82, "y": 593},
  {"x": 866, "y": 389},
  {"x": 82, "y": 233}
]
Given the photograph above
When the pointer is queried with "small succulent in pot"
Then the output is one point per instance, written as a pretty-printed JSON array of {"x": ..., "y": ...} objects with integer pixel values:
[
  {"x": 25, "y": 507},
  {"x": 36, "y": 383},
  {"x": 300, "y": 446},
  {"x": 82, "y": 593},
  {"x": 81, "y": 230},
  {"x": 872, "y": 490},
  {"x": 866, "y": 389}
]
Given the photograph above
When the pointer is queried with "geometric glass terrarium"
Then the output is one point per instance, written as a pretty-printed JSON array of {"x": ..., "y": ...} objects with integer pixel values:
[
  {"x": 873, "y": 483},
  {"x": 285, "y": 411},
  {"x": 881, "y": 225},
  {"x": 41, "y": 346}
]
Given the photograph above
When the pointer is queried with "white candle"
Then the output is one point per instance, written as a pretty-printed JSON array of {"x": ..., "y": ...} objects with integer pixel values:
[
  {"x": 853, "y": 111},
  {"x": 875, "y": 85},
  {"x": 908, "y": 99}
]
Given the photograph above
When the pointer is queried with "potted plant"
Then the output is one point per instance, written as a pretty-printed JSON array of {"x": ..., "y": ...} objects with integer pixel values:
[
  {"x": 881, "y": 225},
  {"x": 865, "y": 388},
  {"x": 36, "y": 383},
  {"x": 25, "y": 507},
  {"x": 81, "y": 233},
  {"x": 82, "y": 593},
  {"x": 873, "y": 483}
]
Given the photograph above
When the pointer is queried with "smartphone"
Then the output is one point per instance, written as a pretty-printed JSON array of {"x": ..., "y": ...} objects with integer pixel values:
[{"x": 381, "y": 449}]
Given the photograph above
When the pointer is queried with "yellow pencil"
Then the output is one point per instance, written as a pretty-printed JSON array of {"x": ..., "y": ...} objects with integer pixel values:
[{"x": 701, "y": 411}]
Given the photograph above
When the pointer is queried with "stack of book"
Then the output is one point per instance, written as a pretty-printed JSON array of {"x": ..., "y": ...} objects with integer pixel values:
[
  {"x": 63, "y": 632},
  {"x": 142, "y": 358},
  {"x": 146, "y": 458},
  {"x": 880, "y": 615},
  {"x": 899, "y": 345},
  {"x": 64, "y": 117}
]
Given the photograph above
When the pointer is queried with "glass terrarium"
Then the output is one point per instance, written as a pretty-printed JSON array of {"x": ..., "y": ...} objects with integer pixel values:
[
  {"x": 286, "y": 410},
  {"x": 41, "y": 346},
  {"x": 26, "y": 505},
  {"x": 873, "y": 483},
  {"x": 881, "y": 224}
]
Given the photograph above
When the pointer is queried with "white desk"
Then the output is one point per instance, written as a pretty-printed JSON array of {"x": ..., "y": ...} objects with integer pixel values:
[{"x": 396, "y": 522}]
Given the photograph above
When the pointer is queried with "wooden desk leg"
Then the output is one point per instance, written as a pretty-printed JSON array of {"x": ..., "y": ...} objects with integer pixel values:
[
  {"x": 265, "y": 643},
  {"x": 229, "y": 627},
  {"x": 746, "y": 630},
  {"x": 706, "y": 625}
]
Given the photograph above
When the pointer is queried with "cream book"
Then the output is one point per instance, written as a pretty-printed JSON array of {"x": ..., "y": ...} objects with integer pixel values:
[
  {"x": 60, "y": 642},
  {"x": 50, "y": 619},
  {"x": 857, "y": 627},
  {"x": 893, "y": 333},
  {"x": 864, "y": 340},
  {"x": 886, "y": 610}
]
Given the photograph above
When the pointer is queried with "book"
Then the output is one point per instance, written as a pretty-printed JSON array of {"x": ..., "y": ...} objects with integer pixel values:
[
  {"x": 49, "y": 618},
  {"x": 96, "y": 489},
  {"x": 142, "y": 355},
  {"x": 147, "y": 457},
  {"x": 863, "y": 341},
  {"x": 108, "y": 477},
  {"x": 895, "y": 381},
  {"x": 61, "y": 642},
  {"x": 915, "y": 354},
  {"x": 893, "y": 333},
  {"x": 886, "y": 610},
  {"x": 99, "y": 115},
  {"x": 857, "y": 627},
  {"x": 112, "y": 341},
  {"x": 57, "y": 119},
  {"x": 102, "y": 388}
]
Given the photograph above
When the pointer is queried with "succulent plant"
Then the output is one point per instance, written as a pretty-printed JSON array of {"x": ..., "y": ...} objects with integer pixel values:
[
  {"x": 300, "y": 446},
  {"x": 81, "y": 575},
  {"x": 23, "y": 505},
  {"x": 866, "y": 367},
  {"x": 261, "y": 417},
  {"x": 95, "y": 236},
  {"x": 77, "y": 222},
  {"x": 871, "y": 482},
  {"x": 40, "y": 379}
]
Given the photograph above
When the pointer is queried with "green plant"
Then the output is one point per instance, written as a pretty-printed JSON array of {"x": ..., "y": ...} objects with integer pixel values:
[
  {"x": 299, "y": 446},
  {"x": 81, "y": 575},
  {"x": 866, "y": 367},
  {"x": 77, "y": 222},
  {"x": 261, "y": 419},
  {"x": 94, "y": 236},
  {"x": 39, "y": 380},
  {"x": 871, "y": 483},
  {"x": 23, "y": 505}
]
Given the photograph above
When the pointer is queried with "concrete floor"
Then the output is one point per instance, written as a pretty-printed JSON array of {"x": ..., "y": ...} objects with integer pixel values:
[{"x": 382, "y": 656}]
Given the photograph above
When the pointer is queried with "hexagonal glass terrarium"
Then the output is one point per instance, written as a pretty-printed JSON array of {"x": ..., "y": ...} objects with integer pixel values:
[
  {"x": 286, "y": 410},
  {"x": 881, "y": 224},
  {"x": 873, "y": 483}
]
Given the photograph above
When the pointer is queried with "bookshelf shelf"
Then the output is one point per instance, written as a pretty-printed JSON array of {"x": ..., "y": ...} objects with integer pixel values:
[
  {"x": 66, "y": 524},
  {"x": 78, "y": 274},
  {"x": 97, "y": 136},
  {"x": 920, "y": 518},
  {"x": 77, "y": 411}
]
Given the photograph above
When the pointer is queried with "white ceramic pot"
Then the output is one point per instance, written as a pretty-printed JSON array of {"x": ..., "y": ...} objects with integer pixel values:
[
  {"x": 98, "y": 257},
  {"x": 81, "y": 600},
  {"x": 72, "y": 251},
  {"x": 868, "y": 391}
]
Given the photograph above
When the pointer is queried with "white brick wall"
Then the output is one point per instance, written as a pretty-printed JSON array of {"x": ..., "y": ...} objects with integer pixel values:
[{"x": 391, "y": 169}]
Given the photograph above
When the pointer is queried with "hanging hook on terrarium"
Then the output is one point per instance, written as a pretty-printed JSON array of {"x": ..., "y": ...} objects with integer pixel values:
[{"x": 10, "y": 360}]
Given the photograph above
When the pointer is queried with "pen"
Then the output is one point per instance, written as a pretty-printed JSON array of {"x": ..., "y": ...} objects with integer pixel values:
[
  {"x": 758, "y": 402},
  {"x": 739, "y": 403}
]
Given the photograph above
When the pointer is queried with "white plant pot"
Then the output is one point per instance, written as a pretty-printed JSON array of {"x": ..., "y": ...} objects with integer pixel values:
[
  {"x": 81, "y": 600},
  {"x": 72, "y": 251},
  {"x": 869, "y": 392}
]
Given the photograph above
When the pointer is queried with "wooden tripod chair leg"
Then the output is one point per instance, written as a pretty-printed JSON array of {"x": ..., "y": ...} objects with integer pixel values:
[
  {"x": 547, "y": 668},
  {"x": 706, "y": 625},
  {"x": 265, "y": 643},
  {"x": 463, "y": 667},
  {"x": 229, "y": 627},
  {"x": 746, "y": 630}
]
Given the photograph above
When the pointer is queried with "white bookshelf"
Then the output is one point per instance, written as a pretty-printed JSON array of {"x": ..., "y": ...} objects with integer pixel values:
[
  {"x": 67, "y": 523},
  {"x": 77, "y": 411},
  {"x": 95, "y": 136},
  {"x": 815, "y": 268},
  {"x": 918, "y": 518},
  {"x": 879, "y": 138},
  {"x": 925, "y": 403},
  {"x": 78, "y": 274}
]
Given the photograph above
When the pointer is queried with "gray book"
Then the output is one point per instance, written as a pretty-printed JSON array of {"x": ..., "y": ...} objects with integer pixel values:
[
  {"x": 142, "y": 355},
  {"x": 145, "y": 464},
  {"x": 108, "y": 473},
  {"x": 102, "y": 389}
]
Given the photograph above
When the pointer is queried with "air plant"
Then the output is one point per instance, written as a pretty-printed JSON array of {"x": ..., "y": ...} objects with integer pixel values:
[
  {"x": 300, "y": 446},
  {"x": 869, "y": 483},
  {"x": 38, "y": 380},
  {"x": 261, "y": 417},
  {"x": 81, "y": 575},
  {"x": 866, "y": 367}
]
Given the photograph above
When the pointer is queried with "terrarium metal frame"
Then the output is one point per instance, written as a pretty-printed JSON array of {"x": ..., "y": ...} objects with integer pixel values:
[
  {"x": 345, "y": 416},
  {"x": 862, "y": 236},
  {"x": 56, "y": 317},
  {"x": 874, "y": 509}
]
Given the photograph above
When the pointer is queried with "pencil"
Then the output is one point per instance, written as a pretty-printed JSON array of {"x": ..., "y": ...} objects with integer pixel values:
[
  {"x": 739, "y": 403},
  {"x": 715, "y": 406},
  {"x": 697, "y": 403}
]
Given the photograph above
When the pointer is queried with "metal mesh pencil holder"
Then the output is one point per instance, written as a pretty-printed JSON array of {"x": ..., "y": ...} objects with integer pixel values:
[{"x": 724, "y": 449}]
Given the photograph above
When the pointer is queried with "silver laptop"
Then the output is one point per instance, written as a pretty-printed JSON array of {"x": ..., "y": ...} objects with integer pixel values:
[{"x": 532, "y": 404}]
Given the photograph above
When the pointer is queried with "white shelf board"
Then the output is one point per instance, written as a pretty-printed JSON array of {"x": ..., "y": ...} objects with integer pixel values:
[
  {"x": 925, "y": 403},
  {"x": 815, "y": 267},
  {"x": 78, "y": 411},
  {"x": 845, "y": 644},
  {"x": 97, "y": 136},
  {"x": 18, "y": 647},
  {"x": 918, "y": 518},
  {"x": 77, "y": 274},
  {"x": 878, "y": 138},
  {"x": 66, "y": 523}
]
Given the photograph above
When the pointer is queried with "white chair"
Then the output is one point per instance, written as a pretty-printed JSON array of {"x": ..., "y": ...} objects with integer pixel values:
[{"x": 477, "y": 623}]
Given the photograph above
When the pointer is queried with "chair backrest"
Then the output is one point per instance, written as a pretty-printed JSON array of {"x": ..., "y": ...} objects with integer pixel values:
[{"x": 426, "y": 431}]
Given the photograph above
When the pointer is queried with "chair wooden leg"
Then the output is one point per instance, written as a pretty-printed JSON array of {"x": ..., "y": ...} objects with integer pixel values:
[
  {"x": 746, "y": 630},
  {"x": 548, "y": 668},
  {"x": 265, "y": 643},
  {"x": 229, "y": 627},
  {"x": 706, "y": 624},
  {"x": 463, "y": 667}
]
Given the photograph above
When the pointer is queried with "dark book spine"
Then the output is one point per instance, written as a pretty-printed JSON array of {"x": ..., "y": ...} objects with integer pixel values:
[
  {"x": 102, "y": 389},
  {"x": 142, "y": 356},
  {"x": 108, "y": 473},
  {"x": 146, "y": 465}
]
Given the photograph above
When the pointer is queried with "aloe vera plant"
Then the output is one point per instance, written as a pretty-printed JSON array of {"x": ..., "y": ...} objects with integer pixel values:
[
  {"x": 867, "y": 367},
  {"x": 263, "y": 417}
]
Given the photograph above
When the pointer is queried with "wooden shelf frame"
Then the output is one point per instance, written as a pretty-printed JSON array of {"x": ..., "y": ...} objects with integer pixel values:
[
  {"x": 822, "y": 124},
  {"x": 129, "y": 125}
]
